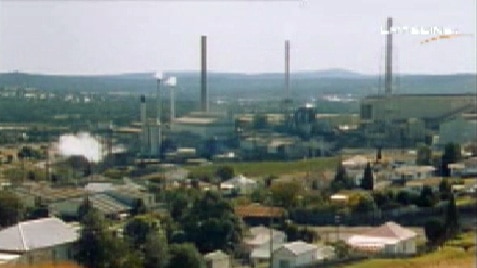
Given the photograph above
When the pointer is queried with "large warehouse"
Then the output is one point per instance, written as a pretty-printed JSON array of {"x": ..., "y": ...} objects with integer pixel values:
[
  {"x": 427, "y": 107},
  {"x": 411, "y": 117}
]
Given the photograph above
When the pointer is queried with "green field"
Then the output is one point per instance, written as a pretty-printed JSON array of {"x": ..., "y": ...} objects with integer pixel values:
[{"x": 262, "y": 169}]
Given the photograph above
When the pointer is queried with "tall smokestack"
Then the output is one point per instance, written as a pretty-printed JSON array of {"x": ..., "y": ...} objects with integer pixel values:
[
  {"x": 203, "y": 93},
  {"x": 287, "y": 69},
  {"x": 388, "y": 76},
  {"x": 143, "y": 124}
]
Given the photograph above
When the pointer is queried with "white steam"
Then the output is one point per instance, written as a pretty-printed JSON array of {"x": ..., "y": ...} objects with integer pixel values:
[{"x": 80, "y": 144}]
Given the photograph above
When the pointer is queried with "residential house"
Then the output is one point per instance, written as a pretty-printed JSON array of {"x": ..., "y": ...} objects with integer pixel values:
[
  {"x": 130, "y": 196},
  {"x": 387, "y": 239},
  {"x": 217, "y": 259},
  {"x": 466, "y": 168},
  {"x": 355, "y": 167},
  {"x": 413, "y": 172},
  {"x": 37, "y": 241},
  {"x": 260, "y": 239},
  {"x": 105, "y": 204},
  {"x": 239, "y": 184},
  {"x": 33, "y": 193},
  {"x": 356, "y": 162},
  {"x": 256, "y": 214},
  {"x": 296, "y": 254}
]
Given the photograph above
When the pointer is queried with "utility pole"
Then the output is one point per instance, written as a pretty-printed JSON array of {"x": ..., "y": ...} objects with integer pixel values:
[
  {"x": 337, "y": 221},
  {"x": 47, "y": 164},
  {"x": 271, "y": 231}
]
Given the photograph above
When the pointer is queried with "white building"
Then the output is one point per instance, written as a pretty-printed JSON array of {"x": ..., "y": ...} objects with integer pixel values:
[
  {"x": 413, "y": 172},
  {"x": 467, "y": 168},
  {"x": 387, "y": 239},
  {"x": 295, "y": 254},
  {"x": 356, "y": 162},
  {"x": 204, "y": 125},
  {"x": 217, "y": 259},
  {"x": 37, "y": 241},
  {"x": 240, "y": 184},
  {"x": 258, "y": 242}
]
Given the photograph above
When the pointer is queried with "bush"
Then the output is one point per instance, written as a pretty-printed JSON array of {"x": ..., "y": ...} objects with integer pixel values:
[{"x": 435, "y": 231}]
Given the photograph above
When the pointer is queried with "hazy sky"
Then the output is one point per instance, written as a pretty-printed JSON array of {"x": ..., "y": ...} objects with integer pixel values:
[{"x": 105, "y": 37}]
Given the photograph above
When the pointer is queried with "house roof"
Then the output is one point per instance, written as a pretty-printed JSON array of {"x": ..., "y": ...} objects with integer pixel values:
[
  {"x": 216, "y": 255},
  {"x": 237, "y": 181},
  {"x": 99, "y": 187},
  {"x": 49, "y": 193},
  {"x": 261, "y": 235},
  {"x": 36, "y": 234},
  {"x": 392, "y": 230},
  {"x": 471, "y": 162},
  {"x": 357, "y": 160},
  {"x": 376, "y": 238},
  {"x": 299, "y": 247},
  {"x": 257, "y": 210},
  {"x": 104, "y": 203},
  {"x": 412, "y": 169}
]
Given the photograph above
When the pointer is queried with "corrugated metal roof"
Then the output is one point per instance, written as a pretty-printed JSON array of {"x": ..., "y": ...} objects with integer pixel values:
[
  {"x": 391, "y": 230},
  {"x": 36, "y": 234},
  {"x": 103, "y": 202},
  {"x": 377, "y": 238},
  {"x": 299, "y": 247}
]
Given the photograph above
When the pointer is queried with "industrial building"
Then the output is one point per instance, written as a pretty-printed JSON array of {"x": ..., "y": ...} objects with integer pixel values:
[
  {"x": 204, "y": 125},
  {"x": 432, "y": 108},
  {"x": 150, "y": 132},
  {"x": 408, "y": 118},
  {"x": 412, "y": 117},
  {"x": 462, "y": 129}
]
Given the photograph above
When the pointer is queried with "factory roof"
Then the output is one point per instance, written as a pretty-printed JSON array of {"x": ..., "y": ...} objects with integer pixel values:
[
  {"x": 36, "y": 234},
  {"x": 49, "y": 193},
  {"x": 128, "y": 130},
  {"x": 421, "y": 95},
  {"x": 281, "y": 141},
  {"x": 104, "y": 203},
  {"x": 299, "y": 247},
  {"x": 195, "y": 120}
]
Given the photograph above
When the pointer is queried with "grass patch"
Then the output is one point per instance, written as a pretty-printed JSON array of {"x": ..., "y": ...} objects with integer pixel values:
[
  {"x": 465, "y": 200},
  {"x": 262, "y": 169}
]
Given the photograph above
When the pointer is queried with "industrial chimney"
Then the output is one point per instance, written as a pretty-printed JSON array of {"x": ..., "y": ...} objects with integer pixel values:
[
  {"x": 388, "y": 76},
  {"x": 171, "y": 82},
  {"x": 203, "y": 93},
  {"x": 143, "y": 124},
  {"x": 287, "y": 69}
]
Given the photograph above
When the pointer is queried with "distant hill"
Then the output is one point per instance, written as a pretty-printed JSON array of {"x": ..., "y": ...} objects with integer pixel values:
[{"x": 304, "y": 84}]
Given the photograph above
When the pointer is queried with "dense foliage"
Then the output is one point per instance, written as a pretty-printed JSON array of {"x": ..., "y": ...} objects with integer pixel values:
[{"x": 11, "y": 209}]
